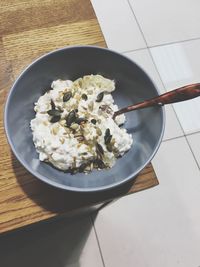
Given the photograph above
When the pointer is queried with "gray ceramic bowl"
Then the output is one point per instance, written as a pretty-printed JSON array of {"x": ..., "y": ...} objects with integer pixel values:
[{"x": 132, "y": 85}]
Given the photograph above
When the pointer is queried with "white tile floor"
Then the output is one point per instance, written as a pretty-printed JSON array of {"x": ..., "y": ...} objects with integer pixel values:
[{"x": 160, "y": 226}]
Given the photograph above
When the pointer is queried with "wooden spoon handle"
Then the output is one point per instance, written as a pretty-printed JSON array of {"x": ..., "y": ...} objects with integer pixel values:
[{"x": 181, "y": 94}]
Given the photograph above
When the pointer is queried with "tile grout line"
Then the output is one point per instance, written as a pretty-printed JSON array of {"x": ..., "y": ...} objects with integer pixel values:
[
  {"x": 175, "y": 42},
  {"x": 180, "y": 136},
  {"x": 196, "y": 132},
  {"x": 173, "y": 138},
  {"x": 134, "y": 50},
  {"x": 159, "y": 45},
  {"x": 192, "y": 152},
  {"x": 137, "y": 22},
  {"x": 149, "y": 51},
  {"x": 95, "y": 231}
]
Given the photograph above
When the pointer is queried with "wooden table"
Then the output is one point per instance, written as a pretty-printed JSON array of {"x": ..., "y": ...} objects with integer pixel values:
[{"x": 29, "y": 29}]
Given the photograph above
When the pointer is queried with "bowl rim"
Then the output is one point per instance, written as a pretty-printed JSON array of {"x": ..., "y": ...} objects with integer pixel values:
[{"x": 54, "y": 183}]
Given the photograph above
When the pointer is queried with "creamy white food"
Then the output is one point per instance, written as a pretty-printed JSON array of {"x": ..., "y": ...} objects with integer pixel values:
[{"x": 73, "y": 128}]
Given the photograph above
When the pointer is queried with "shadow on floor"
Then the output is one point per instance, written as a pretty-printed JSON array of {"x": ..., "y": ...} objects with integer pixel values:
[{"x": 55, "y": 244}]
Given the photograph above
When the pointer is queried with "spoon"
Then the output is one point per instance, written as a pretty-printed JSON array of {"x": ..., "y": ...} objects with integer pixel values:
[{"x": 181, "y": 94}]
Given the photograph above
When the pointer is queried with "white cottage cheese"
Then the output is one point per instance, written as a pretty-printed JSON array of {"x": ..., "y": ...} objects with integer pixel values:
[{"x": 73, "y": 127}]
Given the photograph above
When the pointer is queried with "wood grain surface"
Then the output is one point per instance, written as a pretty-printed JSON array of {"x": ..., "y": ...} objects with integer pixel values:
[{"x": 29, "y": 29}]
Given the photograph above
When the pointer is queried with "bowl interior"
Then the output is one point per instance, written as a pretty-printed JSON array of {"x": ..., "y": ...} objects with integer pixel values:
[{"x": 132, "y": 85}]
